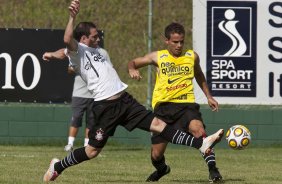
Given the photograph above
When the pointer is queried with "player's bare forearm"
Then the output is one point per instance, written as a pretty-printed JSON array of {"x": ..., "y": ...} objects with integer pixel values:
[
  {"x": 131, "y": 65},
  {"x": 135, "y": 64},
  {"x": 68, "y": 36},
  {"x": 59, "y": 54},
  {"x": 133, "y": 71},
  {"x": 200, "y": 77},
  {"x": 201, "y": 80},
  {"x": 211, "y": 101},
  {"x": 204, "y": 86}
]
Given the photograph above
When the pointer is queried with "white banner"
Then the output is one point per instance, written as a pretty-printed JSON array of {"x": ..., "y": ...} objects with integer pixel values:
[{"x": 240, "y": 47}]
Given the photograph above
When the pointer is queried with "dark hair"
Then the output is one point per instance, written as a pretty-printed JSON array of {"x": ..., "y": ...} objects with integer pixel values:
[
  {"x": 174, "y": 28},
  {"x": 82, "y": 28}
]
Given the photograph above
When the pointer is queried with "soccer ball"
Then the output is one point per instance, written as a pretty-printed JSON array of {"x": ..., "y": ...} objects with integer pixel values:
[{"x": 238, "y": 137}]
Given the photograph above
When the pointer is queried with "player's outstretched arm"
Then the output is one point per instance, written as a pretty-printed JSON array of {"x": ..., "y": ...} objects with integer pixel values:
[
  {"x": 135, "y": 64},
  {"x": 59, "y": 54}
]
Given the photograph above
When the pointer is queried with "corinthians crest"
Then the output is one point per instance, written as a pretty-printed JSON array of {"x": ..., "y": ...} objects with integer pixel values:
[{"x": 99, "y": 134}]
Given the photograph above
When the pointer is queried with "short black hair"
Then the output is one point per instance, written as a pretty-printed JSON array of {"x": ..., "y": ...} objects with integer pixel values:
[
  {"x": 83, "y": 28},
  {"x": 174, "y": 27}
]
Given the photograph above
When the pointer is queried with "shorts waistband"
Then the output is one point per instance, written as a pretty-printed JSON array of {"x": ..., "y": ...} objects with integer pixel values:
[{"x": 116, "y": 96}]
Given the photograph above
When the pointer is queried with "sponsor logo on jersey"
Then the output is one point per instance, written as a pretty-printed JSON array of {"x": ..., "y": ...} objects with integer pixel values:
[
  {"x": 172, "y": 81},
  {"x": 172, "y": 88},
  {"x": 170, "y": 69},
  {"x": 188, "y": 54},
  {"x": 181, "y": 97},
  {"x": 163, "y": 55}
]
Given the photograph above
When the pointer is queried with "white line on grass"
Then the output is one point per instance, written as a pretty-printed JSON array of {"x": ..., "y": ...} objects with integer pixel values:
[{"x": 21, "y": 156}]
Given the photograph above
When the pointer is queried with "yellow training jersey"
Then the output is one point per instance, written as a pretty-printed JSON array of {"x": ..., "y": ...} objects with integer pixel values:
[{"x": 174, "y": 80}]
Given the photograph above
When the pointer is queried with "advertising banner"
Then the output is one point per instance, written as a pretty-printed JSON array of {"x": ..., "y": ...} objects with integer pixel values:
[
  {"x": 24, "y": 76},
  {"x": 240, "y": 47}
]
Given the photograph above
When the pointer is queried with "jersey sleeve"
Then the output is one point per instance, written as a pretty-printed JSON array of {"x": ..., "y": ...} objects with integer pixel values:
[{"x": 74, "y": 58}]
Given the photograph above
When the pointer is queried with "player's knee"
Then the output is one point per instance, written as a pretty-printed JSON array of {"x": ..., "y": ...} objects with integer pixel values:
[
  {"x": 92, "y": 152},
  {"x": 157, "y": 125},
  {"x": 156, "y": 155},
  {"x": 200, "y": 132},
  {"x": 196, "y": 128}
]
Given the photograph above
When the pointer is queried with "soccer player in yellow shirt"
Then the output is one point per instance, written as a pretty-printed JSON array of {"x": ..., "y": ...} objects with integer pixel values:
[{"x": 173, "y": 96}]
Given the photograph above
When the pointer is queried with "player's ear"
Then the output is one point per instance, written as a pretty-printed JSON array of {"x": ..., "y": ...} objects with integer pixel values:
[
  {"x": 83, "y": 38},
  {"x": 165, "y": 39}
]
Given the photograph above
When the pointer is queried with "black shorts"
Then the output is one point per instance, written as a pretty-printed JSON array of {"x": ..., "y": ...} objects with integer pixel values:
[
  {"x": 124, "y": 111},
  {"x": 79, "y": 107},
  {"x": 177, "y": 115}
]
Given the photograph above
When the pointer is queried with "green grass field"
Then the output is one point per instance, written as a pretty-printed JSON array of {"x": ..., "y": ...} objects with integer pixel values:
[{"x": 122, "y": 164}]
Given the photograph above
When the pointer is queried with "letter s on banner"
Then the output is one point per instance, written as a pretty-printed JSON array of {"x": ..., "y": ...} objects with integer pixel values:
[{"x": 37, "y": 71}]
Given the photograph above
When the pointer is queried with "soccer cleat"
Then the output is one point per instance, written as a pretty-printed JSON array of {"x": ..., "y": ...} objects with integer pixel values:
[
  {"x": 210, "y": 141},
  {"x": 214, "y": 176},
  {"x": 68, "y": 148},
  {"x": 51, "y": 174},
  {"x": 156, "y": 175}
]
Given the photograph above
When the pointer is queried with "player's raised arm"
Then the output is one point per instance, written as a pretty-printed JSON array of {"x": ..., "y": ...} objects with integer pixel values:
[
  {"x": 69, "y": 40},
  {"x": 133, "y": 65}
]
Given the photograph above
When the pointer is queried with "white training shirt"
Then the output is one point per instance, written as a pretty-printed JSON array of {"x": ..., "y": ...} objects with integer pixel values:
[
  {"x": 96, "y": 69},
  {"x": 80, "y": 88}
]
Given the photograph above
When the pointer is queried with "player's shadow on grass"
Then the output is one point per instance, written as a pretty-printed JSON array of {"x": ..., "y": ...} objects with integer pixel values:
[{"x": 229, "y": 180}]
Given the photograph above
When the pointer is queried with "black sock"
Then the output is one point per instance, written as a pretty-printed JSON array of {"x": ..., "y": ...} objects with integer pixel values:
[
  {"x": 180, "y": 137},
  {"x": 160, "y": 165},
  {"x": 210, "y": 159},
  {"x": 75, "y": 157}
]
